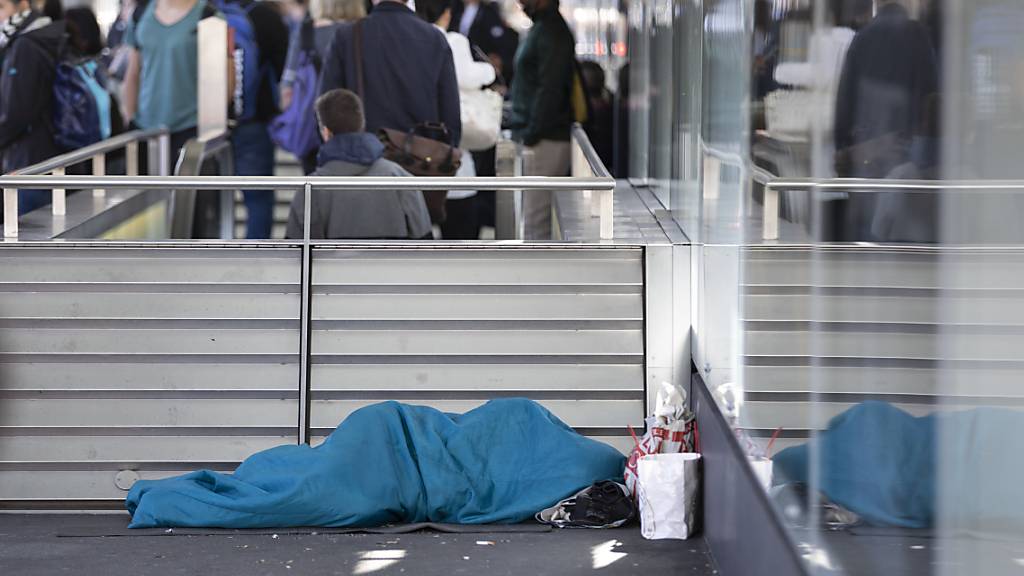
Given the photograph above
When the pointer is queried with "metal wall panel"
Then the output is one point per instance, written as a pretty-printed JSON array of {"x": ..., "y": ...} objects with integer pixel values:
[
  {"x": 452, "y": 328},
  {"x": 154, "y": 360},
  {"x": 162, "y": 360}
]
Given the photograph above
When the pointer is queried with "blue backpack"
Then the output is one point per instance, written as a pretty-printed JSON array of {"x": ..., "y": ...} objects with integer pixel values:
[
  {"x": 249, "y": 73},
  {"x": 81, "y": 104},
  {"x": 295, "y": 129}
]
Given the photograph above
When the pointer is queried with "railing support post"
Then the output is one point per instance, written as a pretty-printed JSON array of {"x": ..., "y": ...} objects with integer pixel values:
[
  {"x": 10, "y": 213},
  {"x": 99, "y": 168},
  {"x": 59, "y": 202},
  {"x": 164, "y": 154},
  {"x": 131, "y": 156},
  {"x": 607, "y": 214},
  {"x": 305, "y": 311},
  {"x": 771, "y": 213}
]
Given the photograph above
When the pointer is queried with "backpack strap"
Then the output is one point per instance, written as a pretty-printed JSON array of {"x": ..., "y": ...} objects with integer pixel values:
[
  {"x": 139, "y": 11},
  {"x": 357, "y": 52},
  {"x": 209, "y": 10}
]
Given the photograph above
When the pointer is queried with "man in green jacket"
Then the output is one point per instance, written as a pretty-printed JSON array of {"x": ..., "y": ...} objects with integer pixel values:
[{"x": 541, "y": 107}]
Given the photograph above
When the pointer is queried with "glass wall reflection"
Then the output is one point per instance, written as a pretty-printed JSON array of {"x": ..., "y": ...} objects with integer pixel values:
[{"x": 849, "y": 173}]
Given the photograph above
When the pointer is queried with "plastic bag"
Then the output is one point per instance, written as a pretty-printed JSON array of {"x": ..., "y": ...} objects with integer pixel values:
[
  {"x": 668, "y": 487},
  {"x": 672, "y": 429}
]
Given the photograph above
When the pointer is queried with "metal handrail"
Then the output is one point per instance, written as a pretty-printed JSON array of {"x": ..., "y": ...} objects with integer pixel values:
[
  {"x": 306, "y": 184},
  {"x": 159, "y": 142},
  {"x": 89, "y": 152},
  {"x": 318, "y": 182},
  {"x": 586, "y": 163},
  {"x": 194, "y": 155},
  {"x": 597, "y": 167}
]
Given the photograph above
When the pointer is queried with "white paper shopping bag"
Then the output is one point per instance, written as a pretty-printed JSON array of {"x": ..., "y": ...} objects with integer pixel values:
[{"x": 668, "y": 488}]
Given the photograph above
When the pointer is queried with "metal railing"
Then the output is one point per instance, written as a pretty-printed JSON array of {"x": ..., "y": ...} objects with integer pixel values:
[
  {"x": 590, "y": 177},
  {"x": 194, "y": 156},
  {"x": 587, "y": 164},
  {"x": 159, "y": 144},
  {"x": 306, "y": 184}
]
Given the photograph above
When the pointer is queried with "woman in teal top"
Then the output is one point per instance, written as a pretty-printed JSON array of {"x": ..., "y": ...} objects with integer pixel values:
[{"x": 161, "y": 83}]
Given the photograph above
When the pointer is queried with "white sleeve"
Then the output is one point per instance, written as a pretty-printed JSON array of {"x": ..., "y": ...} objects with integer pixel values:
[{"x": 471, "y": 75}]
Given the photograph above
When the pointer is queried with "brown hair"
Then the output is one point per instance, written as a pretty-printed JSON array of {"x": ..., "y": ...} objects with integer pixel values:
[{"x": 341, "y": 112}]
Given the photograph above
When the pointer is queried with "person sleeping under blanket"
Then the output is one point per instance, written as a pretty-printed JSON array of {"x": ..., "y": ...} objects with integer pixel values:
[{"x": 390, "y": 463}]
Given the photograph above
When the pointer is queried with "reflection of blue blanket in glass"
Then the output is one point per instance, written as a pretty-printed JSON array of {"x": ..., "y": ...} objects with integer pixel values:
[
  {"x": 391, "y": 462},
  {"x": 881, "y": 463}
]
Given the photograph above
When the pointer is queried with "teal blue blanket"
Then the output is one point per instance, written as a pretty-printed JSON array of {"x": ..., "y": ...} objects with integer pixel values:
[{"x": 391, "y": 462}]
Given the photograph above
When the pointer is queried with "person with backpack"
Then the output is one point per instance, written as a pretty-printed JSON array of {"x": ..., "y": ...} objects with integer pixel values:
[
  {"x": 260, "y": 48},
  {"x": 30, "y": 44},
  {"x": 296, "y": 130},
  {"x": 542, "y": 108}
]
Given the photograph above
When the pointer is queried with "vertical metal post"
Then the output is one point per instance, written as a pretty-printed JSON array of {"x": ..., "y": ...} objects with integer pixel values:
[
  {"x": 164, "y": 154},
  {"x": 507, "y": 165},
  {"x": 607, "y": 221},
  {"x": 59, "y": 202},
  {"x": 131, "y": 159},
  {"x": 226, "y": 166},
  {"x": 305, "y": 321},
  {"x": 99, "y": 168},
  {"x": 10, "y": 213},
  {"x": 771, "y": 213}
]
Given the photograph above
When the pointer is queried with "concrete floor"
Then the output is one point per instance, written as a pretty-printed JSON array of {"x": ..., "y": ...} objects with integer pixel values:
[{"x": 32, "y": 544}]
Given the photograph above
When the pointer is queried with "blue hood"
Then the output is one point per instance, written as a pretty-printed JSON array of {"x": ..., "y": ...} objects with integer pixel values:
[{"x": 360, "y": 148}]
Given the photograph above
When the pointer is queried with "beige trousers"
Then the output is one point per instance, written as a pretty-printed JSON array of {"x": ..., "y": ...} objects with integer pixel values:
[{"x": 546, "y": 158}]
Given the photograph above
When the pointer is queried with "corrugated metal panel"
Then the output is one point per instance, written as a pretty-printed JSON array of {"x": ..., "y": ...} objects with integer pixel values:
[
  {"x": 453, "y": 328},
  {"x": 159, "y": 361},
  {"x": 164, "y": 360}
]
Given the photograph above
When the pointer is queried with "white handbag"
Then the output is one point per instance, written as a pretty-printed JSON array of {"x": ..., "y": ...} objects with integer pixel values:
[{"x": 481, "y": 119}]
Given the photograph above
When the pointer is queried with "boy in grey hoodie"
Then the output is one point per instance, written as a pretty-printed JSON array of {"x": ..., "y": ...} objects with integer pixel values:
[{"x": 350, "y": 151}]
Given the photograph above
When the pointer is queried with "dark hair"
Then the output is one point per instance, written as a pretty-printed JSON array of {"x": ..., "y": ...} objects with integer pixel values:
[
  {"x": 341, "y": 112},
  {"x": 84, "y": 30},
  {"x": 431, "y": 10},
  {"x": 593, "y": 77}
]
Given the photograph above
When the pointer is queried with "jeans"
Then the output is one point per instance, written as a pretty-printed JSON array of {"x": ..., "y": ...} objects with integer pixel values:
[
  {"x": 29, "y": 200},
  {"x": 254, "y": 156}
]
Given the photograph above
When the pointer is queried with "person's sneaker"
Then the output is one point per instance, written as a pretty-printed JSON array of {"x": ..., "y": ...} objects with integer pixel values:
[{"x": 603, "y": 505}]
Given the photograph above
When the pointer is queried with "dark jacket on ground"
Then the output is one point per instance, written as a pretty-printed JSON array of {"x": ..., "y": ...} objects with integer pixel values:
[
  {"x": 26, "y": 88},
  {"x": 345, "y": 214},
  {"x": 888, "y": 78},
  {"x": 541, "y": 106},
  {"x": 408, "y": 70}
]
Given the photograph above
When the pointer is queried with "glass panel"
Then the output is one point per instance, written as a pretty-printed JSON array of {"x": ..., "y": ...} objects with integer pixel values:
[
  {"x": 662, "y": 99},
  {"x": 639, "y": 89},
  {"x": 687, "y": 38}
]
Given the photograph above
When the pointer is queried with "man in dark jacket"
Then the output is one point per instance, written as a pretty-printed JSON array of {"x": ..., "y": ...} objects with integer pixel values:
[
  {"x": 349, "y": 150},
  {"x": 29, "y": 43},
  {"x": 542, "y": 112},
  {"x": 407, "y": 68}
]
